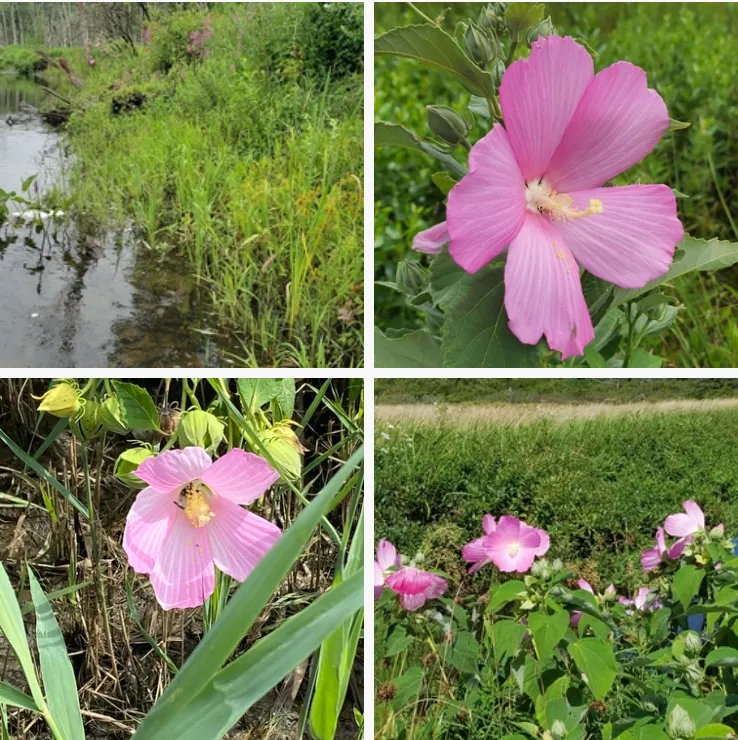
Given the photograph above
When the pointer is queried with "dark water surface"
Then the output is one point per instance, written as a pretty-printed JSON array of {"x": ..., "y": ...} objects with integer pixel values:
[{"x": 74, "y": 299}]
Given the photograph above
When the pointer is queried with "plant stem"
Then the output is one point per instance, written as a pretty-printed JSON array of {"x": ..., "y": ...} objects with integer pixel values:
[
  {"x": 511, "y": 53},
  {"x": 713, "y": 172},
  {"x": 629, "y": 345},
  {"x": 422, "y": 14}
]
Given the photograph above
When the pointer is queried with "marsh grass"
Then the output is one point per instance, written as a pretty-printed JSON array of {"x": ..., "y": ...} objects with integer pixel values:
[
  {"x": 247, "y": 164},
  {"x": 123, "y": 647}
]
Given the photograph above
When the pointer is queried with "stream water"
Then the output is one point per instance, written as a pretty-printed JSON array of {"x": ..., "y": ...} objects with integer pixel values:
[{"x": 70, "y": 298}]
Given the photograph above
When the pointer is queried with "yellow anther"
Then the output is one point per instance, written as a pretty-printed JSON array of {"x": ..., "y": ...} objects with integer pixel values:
[
  {"x": 560, "y": 206},
  {"x": 196, "y": 507}
]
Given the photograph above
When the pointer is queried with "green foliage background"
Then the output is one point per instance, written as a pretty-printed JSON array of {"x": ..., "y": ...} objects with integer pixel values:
[
  {"x": 599, "y": 487},
  {"x": 684, "y": 49}
]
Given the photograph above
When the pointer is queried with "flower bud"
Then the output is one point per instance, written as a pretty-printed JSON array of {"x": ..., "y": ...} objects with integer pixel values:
[
  {"x": 541, "y": 569},
  {"x": 110, "y": 417},
  {"x": 478, "y": 45},
  {"x": 127, "y": 464},
  {"x": 609, "y": 594},
  {"x": 411, "y": 277},
  {"x": 498, "y": 70},
  {"x": 679, "y": 725},
  {"x": 692, "y": 644},
  {"x": 89, "y": 424},
  {"x": 284, "y": 447},
  {"x": 558, "y": 729},
  {"x": 537, "y": 30},
  {"x": 557, "y": 566},
  {"x": 200, "y": 429},
  {"x": 717, "y": 533},
  {"x": 63, "y": 400},
  {"x": 492, "y": 18},
  {"x": 447, "y": 124},
  {"x": 169, "y": 419}
]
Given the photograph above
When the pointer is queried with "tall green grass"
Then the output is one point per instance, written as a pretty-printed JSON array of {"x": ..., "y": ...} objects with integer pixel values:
[{"x": 247, "y": 162}]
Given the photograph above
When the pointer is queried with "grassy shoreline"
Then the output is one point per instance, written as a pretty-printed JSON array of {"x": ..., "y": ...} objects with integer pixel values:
[{"x": 241, "y": 152}]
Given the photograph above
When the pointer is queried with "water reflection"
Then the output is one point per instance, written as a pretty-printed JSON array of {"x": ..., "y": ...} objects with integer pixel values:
[{"x": 73, "y": 298}]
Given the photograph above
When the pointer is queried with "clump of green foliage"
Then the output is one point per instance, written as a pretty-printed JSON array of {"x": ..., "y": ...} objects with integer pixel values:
[
  {"x": 252, "y": 174},
  {"x": 559, "y": 390}
]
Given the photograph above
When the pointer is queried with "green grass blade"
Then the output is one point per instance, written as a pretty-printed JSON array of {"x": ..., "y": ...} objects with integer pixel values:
[
  {"x": 27, "y": 608},
  {"x": 9, "y": 695},
  {"x": 11, "y": 624},
  {"x": 234, "y": 690},
  {"x": 243, "y": 608},
  {"x": 29, "y": 462},
  {"x": 56, "y": 668}
]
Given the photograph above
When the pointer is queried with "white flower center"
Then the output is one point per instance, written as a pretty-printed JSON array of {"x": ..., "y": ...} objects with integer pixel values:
[
  {"x": 541, "y": 198},
  {"x": 513, "y": 549}
]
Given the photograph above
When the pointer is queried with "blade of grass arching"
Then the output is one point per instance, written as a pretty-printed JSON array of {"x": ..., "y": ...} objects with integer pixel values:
[
  {"x": 337, "y": 654},
  {"x": 243, "y": 608},
  {"x": 56, "y": 668},
  {"x": 11, "y": 625},
  {"x": 10, "y": 695},
  {"x": 27, "y": 608},
  {"x": 313, "y": 407},
  {"x": 137, "y": 619},
  {"x": 51, "y": 437},
  {"x": 27, "y": 460},
  {"x": 228, "y": 695},
  {"x": 19, "y": 502}
]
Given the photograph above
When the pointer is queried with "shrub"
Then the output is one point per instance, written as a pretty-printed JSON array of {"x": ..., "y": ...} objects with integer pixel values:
[{"x": 333, "y": 39}]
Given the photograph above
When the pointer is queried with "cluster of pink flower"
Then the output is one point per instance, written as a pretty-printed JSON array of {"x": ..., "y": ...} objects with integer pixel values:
[
  {"x": 512, "y": 546},
  {"x": 683, "y": 526},
  {"x": 414, "y": 586},
  {"x": 196, "y": 48}
]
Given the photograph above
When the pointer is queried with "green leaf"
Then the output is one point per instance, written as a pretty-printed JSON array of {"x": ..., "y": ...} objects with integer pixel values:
[
  {"x": 596, "y": 660},
  {"x": 675, "y": 125},
  {"x": 520, "y": 16},
  {"x": 431, "y": 45},
  {"x": 659, "y": 624},
  {"x": 476, "y": 334},
  {"x": 506, "y": 635},
  {"x": 11, "y": 625},
  {"x": 137, "y": 409},
  {"x": 232, "y": 691},
  {"x": 398, "y": 641},
  {"x": 27, "y": 183},
  {"x": 698, "y": 255},
  {"x": 686, "y": 584},
  {"x": 548, "y": 630},
  {"x": 641, "y": 358},
  {"x": 285, "y": 396},
  {"x": 715, "y": 732},
  {"x": 464, "y": 653},
  {"x": 257, "y": 392},
  {"x": 722, "y": 657},
  {"x": 56, "y": 668},
  {"x": 443, "y": 181},
  {"x": 408, "y": 687},
  {"x": 242, "y": 610},
  {"x": 10, "y": 695},
  {"x": 503, "y": 593},
  {"x": 393, "y": 134},
  {"x": 414, "y": 349}
]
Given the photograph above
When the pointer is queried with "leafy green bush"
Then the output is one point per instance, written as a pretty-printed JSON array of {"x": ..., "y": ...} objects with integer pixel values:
[
  {"x": 19, "y": 60},
  {"x": 180, "y": 38},
  {"x": 333, "y": 38},
  {"x": 597, "y": 486}
]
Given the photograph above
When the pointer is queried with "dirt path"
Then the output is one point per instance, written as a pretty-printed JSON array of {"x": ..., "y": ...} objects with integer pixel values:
[{"x": 521, "y": 413}]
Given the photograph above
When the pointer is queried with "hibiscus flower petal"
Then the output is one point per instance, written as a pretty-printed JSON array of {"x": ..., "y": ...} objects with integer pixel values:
[
  {"x": 519, "y": 563},
  {"x": 695, "y": 513},
  {"x": 545, "y": 543},
  {"x": 409, "y": 581},
  {"x": 474, "y": 551},
  {"x": 680, "y": 525},
  {"x": 148, "y": 524},
  {"x": 616, "y": 124},
  {"x": 239, "y": 539},
  {"x": 632, "y": 241},
  {"x": 487, "y": 208},
  {"x": 387, "y": 555},
  {"x": 488, "y": 523},
  {"x": 411, "y": 602},
  {"x": 508, "y": 527},
  {"x": 543, "y": 292},
  {"x": 431, "y": 240},
  {"x": 173, "y": 468},
  {"x": 240, "y": 476},
  {"x": 650, "y": 559},
  {"x": 539, "y": 96},
  {"x": 183, "y": 575}
]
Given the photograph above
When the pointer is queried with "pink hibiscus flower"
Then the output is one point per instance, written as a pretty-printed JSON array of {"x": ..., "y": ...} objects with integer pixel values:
[
  {"x": 684, "y": 526},
  {"x": 512, "y": 546},
  {"x": 536, "y": 187},
  {"x": 415, "y": 586},
  {"x": 651, "y": 558},
  {"x": 189, "y": 519},
  {"x": 641, "y": 601},
  {"x": 387, "y": 558},
  {"x": 474, "y": 551}
]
